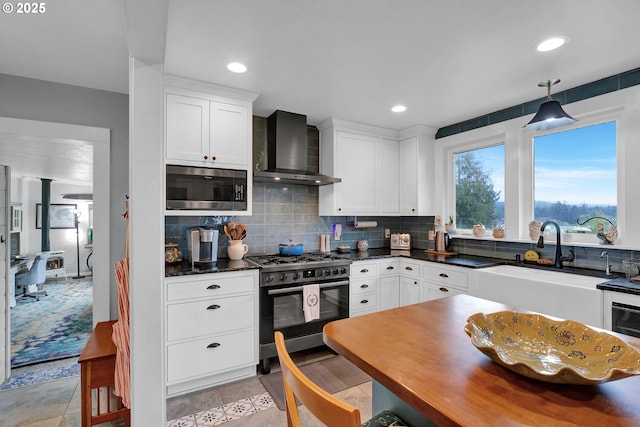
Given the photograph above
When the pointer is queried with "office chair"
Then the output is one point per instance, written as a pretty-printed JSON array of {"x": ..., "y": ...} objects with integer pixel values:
[{"x": 36, "y": 275}]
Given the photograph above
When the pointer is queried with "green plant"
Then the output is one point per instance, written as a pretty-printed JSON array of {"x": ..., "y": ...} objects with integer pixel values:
[{"x": 450, "y": 220}]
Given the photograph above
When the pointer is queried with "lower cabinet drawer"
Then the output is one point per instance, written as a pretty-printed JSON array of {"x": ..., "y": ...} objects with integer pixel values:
[
  {"x": 214, "y": 285},
  {"x": 365, "y": 286},
  {"x": 209, "y": 355},
  {"x": 199, "y": 318},
  {"x": 364, "y": 302},
  {"x": 433, "y": 291},
  {"x": 445, "y": 276}
]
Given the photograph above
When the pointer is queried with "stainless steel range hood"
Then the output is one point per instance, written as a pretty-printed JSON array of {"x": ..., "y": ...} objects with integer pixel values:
[{"x": 287, "y": 152}]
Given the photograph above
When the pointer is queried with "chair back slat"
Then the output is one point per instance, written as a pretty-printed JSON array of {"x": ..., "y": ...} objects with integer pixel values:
[{"x": 325, "y": 407}]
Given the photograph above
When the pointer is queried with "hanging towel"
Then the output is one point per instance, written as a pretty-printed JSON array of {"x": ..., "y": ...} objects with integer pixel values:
[
  {"x": 311, "y": 302},
  {"x": 121, "y": 334}
]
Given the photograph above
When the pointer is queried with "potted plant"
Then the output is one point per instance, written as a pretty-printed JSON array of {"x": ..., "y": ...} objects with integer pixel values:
[
  {"x": 448, "y": 227},
  {"x": 498, "y": 231}
]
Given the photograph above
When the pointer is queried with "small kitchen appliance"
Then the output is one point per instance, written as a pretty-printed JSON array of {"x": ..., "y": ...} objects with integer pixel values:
[
  {"x": 400, "y": 241},
  {"x": 203, "y": 245}
]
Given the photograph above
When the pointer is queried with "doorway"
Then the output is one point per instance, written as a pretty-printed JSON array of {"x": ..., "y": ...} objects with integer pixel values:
[{"x": 99, "y": 138}]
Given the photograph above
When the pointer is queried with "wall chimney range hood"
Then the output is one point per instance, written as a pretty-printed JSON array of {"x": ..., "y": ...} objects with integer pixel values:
[{"x": 287, "y": 152}]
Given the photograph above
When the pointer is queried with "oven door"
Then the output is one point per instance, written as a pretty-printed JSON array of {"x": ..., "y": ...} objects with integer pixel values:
[
  {"x": 625, "y": 319},
  {"x": 281, "y": 309}
]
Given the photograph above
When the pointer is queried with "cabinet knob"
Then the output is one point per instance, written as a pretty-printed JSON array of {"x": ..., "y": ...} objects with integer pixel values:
[
  {"x": 213, "y": 307},
  {"x": 415, "y": 283},
  {"x": 443, "y": 275},
  {"x": 206, "y": 157},
  {"x": 339, "y": 209},
  {"x": 364, "y": 286},
  {"x": 213, "y": 157},
  {"x": 213, "y": 287},
  {"x": 444, "y": 289},
  {"x": 364, "y": 301},
  {"x": 413, "y": 209},
  {"x": 214, "y": 345}
]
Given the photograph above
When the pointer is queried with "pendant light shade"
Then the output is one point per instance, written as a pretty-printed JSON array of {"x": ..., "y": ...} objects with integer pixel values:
[{"x": 550, "y": 114}]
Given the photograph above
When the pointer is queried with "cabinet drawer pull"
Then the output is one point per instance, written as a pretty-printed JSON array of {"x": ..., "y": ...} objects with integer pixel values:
[
  {"x": 364, "y": 270},
  {"x": 443, "y": 275},
  {"x": 214, "y": 345},
  {"x": 364, "y": 301},
  {"x": 213, "y": 287},
  {"x": 408, "y": 268},
  {"x": 390, "y": 267},
  {"x": 444, "y": 290},
  {"x": 364, "y": 286},
  {"x": 213, "y": 307}
]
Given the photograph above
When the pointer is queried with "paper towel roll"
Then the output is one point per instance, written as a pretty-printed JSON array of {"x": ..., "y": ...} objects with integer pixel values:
[{"x": 366, "y": 224}]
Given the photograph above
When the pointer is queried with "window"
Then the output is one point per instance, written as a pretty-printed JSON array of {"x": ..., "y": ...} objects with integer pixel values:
[
  {"x": 479, "y": 187},
  {"x": 575, "y": 178}
]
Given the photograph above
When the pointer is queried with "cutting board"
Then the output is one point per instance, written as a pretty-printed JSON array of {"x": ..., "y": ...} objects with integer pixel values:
[{"x": 444, "y": 253}]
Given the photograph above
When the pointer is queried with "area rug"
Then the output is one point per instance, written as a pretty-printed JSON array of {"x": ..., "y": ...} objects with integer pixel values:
[
  {"x": 333, "y": 374},
  {"x": 37, "y": 377},
  {"x": 56, "y": 327}
]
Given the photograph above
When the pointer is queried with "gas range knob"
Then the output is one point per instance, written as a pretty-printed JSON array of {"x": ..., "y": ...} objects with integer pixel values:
[
  {"x": 319, "y": 273},
  {"x": 268, "y": 278},
  {"x": 343, "y": 270},
  {"x": 327, "y": 272},
  {"x": 335, "y": 271},
  {"x": 283, "y": 277},
  {"x": 296, "y": 276}
]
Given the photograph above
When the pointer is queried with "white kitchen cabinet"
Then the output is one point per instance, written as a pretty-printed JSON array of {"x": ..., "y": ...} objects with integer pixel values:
[
  {"x": 440, "y": 280},
  {"x": 363, "y": 288},
  {"x": 211, "y": 329},
  {"x": 383, "y": 171},
  {"x": 208, "y": 132},
  {"x": 389, "y": 292},
  {"x": 410, "y": 291},
  {"x": 407, "y": 183},
  {"x": 390, "y": 197}
]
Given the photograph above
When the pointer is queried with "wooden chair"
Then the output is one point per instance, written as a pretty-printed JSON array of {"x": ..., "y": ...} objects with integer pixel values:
[{"x": 330, "y": 410}]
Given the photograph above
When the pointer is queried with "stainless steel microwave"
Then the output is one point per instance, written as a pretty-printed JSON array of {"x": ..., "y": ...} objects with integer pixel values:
[{"x": 196, "y": 188}]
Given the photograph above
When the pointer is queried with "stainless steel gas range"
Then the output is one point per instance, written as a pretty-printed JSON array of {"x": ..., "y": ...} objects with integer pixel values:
[{"x": 282, "y": 279}]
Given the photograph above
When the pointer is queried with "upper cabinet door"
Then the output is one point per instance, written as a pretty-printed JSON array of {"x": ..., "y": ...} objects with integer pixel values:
[
  {"x": 357, "y": 162},
  {"x": 187, "y": 122},
  {"x": 408, "y": 176},
  {"x": 389, "y": 182},
  {"x": 229, "y": 134}
]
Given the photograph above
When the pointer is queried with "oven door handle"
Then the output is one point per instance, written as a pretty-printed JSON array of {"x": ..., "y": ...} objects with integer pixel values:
[{"x": 299, "y": 288}]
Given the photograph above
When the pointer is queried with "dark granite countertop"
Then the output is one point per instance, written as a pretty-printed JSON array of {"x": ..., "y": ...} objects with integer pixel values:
[
  {"x": 185, "y": 268},
  {"x": 620, "y": 284},
  {"x": 616, "y": 282}
]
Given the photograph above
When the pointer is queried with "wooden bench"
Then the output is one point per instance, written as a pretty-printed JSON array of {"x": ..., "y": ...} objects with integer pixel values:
[{"x": 97, "y": 367}]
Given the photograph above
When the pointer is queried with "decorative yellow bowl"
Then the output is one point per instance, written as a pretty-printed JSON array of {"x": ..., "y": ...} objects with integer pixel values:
[{"x": 552, "y": 350}]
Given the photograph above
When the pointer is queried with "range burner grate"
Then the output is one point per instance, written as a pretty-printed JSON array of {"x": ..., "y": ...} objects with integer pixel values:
[{"x": 266, "y": 260}]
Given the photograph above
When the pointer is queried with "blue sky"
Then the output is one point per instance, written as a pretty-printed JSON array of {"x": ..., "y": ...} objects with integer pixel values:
[
  {"x": 574, "y": 166},
  {"x": 577, "y": 166}
]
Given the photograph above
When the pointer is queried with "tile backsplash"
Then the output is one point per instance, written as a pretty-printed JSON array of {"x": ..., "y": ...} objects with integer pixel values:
[{"x": 283, "y": 212}]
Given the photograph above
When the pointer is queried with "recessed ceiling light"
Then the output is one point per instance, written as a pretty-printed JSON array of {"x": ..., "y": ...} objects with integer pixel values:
[
  {"x": 552, "y": 43},
  {"x": 236, "y": 67},
  {"x": 398, "y": 108}
]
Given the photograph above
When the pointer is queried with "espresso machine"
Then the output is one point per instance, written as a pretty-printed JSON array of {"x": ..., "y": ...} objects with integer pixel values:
[{"x": 203, "y": 245}]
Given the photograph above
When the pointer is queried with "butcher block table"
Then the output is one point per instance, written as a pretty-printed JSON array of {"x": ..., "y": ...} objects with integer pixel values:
[{"x": 425, "y": 368}]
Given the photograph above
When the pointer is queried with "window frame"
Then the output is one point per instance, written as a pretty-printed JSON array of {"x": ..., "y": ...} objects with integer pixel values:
[{"x": 519, "y": 169}]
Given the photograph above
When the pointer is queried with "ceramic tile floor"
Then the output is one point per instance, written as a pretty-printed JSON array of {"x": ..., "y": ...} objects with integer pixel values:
[{"x": 245, "y": 403}]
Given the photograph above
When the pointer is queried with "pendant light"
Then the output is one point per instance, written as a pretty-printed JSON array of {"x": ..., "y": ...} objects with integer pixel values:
[{"x": 550, "y": 114}]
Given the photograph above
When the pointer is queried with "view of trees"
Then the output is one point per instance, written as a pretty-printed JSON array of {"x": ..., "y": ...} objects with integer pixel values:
[
  {"x": 475, "y": 196},
  {"x": 477, "y": 201}
]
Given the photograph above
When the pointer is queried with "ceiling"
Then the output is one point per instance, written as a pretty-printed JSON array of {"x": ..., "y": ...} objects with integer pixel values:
[{"x": 446, "y": 61}]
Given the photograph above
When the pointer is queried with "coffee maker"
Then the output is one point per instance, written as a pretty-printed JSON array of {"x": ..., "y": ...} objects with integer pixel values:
[{"x": 203, "y": 245}]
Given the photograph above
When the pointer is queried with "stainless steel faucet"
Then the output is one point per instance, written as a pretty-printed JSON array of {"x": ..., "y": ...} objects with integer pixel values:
[
  {"x": 559, "y": 259},
  {"x": 607, "y": 269}
]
